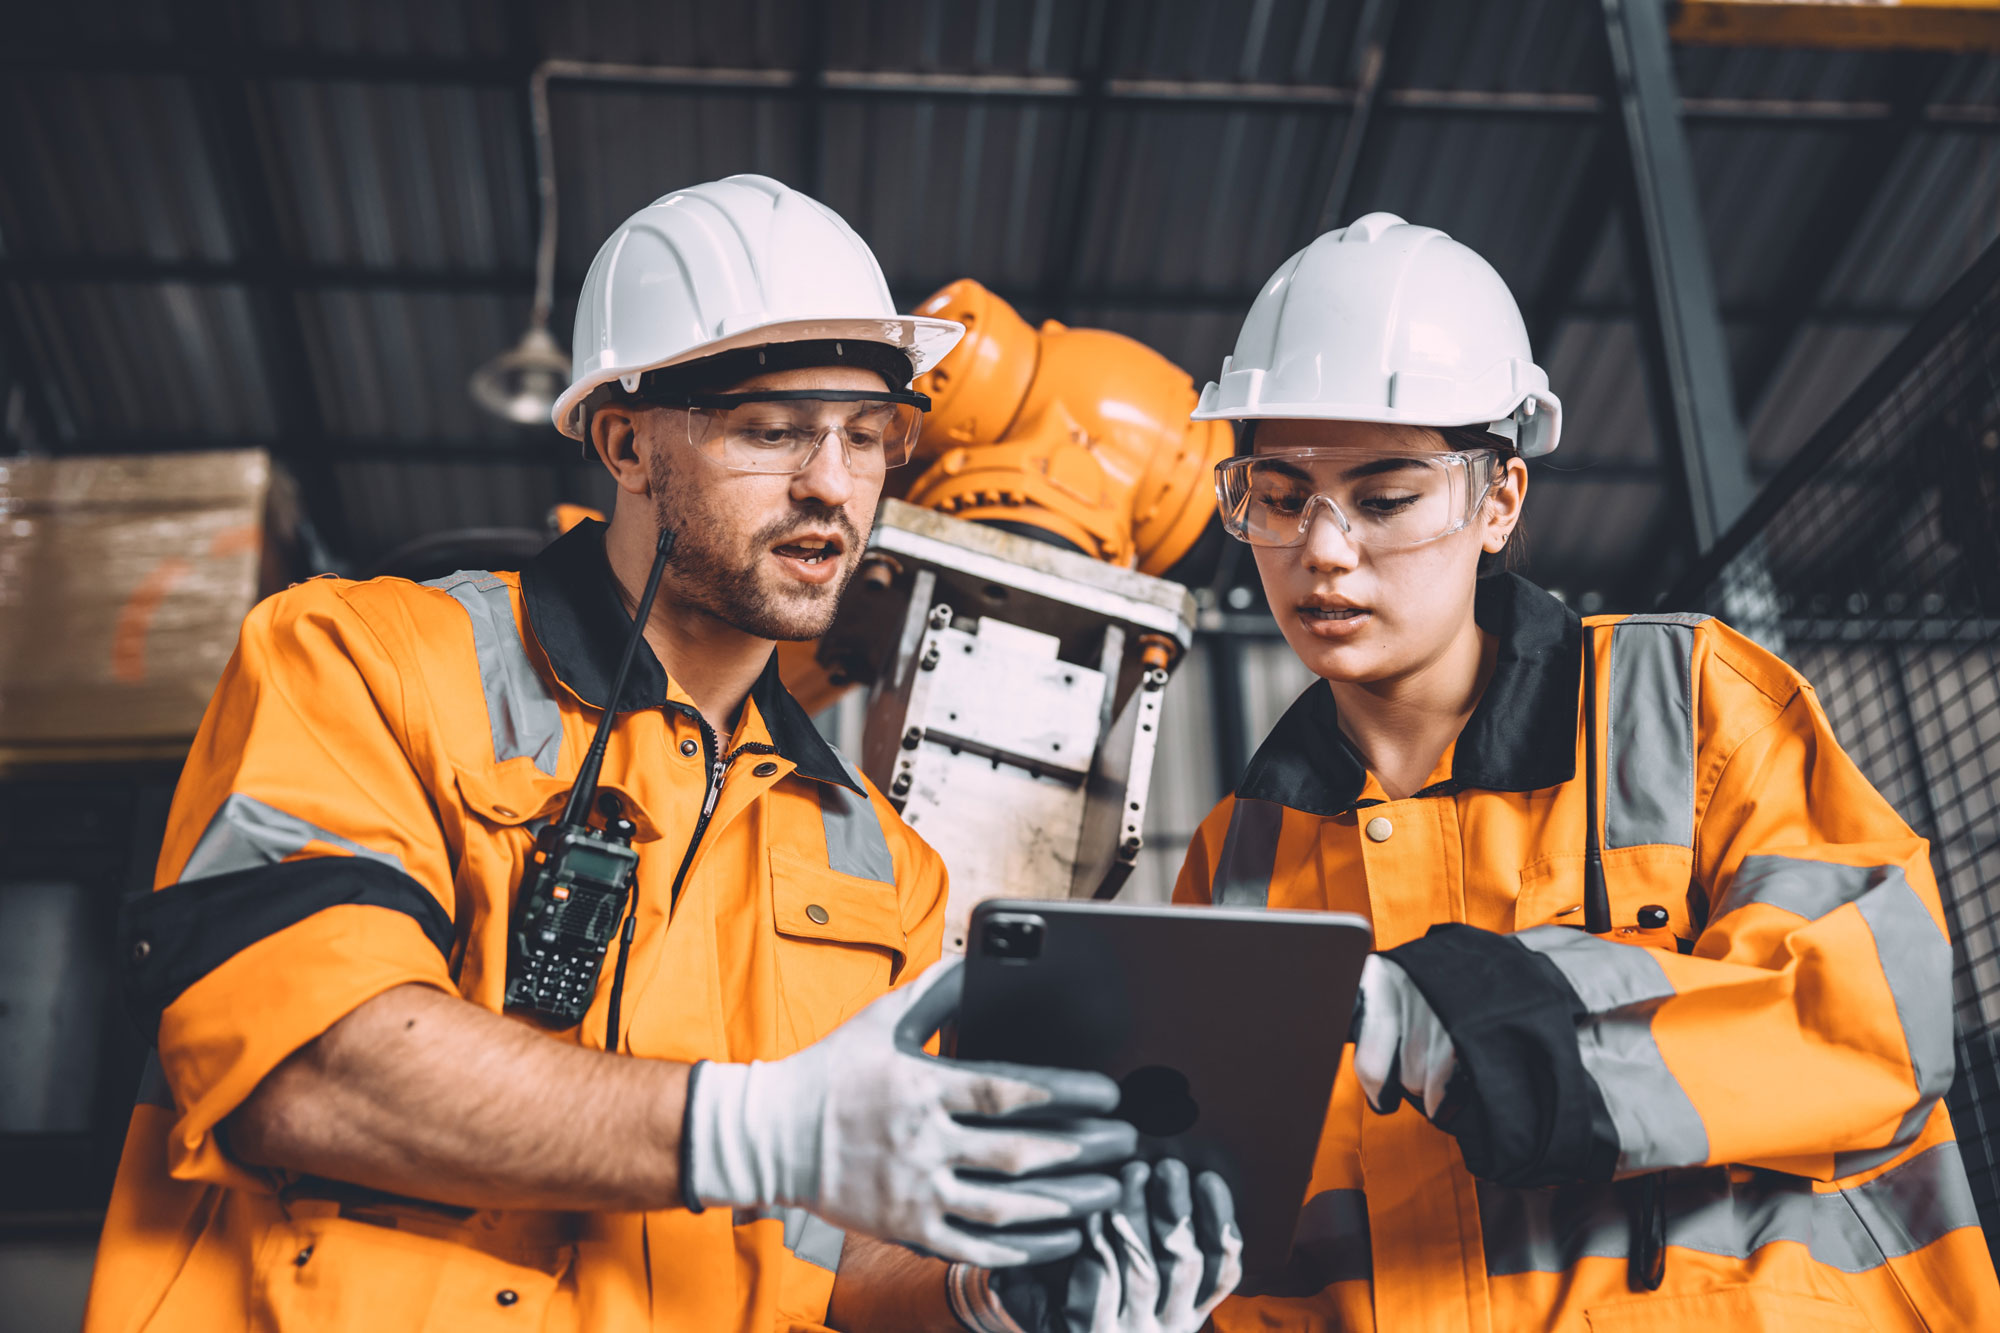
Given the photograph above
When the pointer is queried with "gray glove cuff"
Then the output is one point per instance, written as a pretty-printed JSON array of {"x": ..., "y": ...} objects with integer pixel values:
[
  {"x": 689, "y": 1198},
  {"x": 974, "y": 1303},
  {"x": 734, "y": 1156}
]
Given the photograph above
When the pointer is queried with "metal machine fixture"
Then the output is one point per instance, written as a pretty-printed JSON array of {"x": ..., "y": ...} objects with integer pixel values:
[
  {"x": 1010, "y": 621},
  {"x": 1014, "y": 705}
]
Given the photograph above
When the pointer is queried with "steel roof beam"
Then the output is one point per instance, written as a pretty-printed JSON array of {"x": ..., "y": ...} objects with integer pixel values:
[
  {"x": 1836, "y": 217},
  {"x": 1841, "y": 25},
  {"x": 1575, "y": 241},
  {"x": 1371, "y": 52},
  {"x": 265, "y": 64},
  {"x": 229, "y": 113},
  {"x": 551, "y": 451},
  {"x": 1685, "y": 351},
  {"x": 520, "y": 280},
  {"x": 1071, "y": 203},
  {"x": 42, "y": 420},
  {"x": 812, "y": 98}
]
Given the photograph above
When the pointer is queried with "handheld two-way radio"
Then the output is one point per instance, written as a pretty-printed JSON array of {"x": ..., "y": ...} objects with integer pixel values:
[{"x": 578, "y": 876}]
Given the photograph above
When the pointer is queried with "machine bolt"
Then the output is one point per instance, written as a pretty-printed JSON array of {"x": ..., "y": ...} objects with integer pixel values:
[
  {"x": 901, "y": 786},
  {"x": 940, "y": 616},
  {"x": 1155, "y": 679},
  {"x": 913, "y": 738},
  {"x": 929, "y": 661},
  {"x": 1130, "y": 847},
  {"x": 1158, "y": 651}
]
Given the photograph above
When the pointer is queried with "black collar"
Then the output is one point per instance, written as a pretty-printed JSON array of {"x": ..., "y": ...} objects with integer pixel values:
[
  {"x": 581, "y": 623},
  {"x": 1521, "y": 736}
]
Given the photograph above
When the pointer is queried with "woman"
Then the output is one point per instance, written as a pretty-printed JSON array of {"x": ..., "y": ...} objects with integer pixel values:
[{"x": 1664, "y": 982}]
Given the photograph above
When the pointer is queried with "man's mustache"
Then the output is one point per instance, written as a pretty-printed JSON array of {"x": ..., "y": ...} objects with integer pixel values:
[{"x": 775, "y": 533}]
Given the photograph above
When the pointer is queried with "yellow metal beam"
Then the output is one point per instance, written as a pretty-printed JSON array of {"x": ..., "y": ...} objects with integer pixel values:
[{"x": 1852, "y": 25}]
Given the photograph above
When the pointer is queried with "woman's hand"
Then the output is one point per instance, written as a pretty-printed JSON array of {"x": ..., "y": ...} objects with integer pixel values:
[{"x": 1401, "y": 1049}]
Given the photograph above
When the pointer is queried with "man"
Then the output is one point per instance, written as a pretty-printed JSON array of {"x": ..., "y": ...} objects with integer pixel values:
[{"x": 343, "y": 1130}]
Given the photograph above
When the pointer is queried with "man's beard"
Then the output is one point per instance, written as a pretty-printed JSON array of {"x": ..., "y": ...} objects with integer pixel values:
[{"x": 730, "y": 581}]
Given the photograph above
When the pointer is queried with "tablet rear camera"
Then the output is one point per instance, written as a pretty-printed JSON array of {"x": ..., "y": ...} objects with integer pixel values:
[{"x": 1012, "y": 938}]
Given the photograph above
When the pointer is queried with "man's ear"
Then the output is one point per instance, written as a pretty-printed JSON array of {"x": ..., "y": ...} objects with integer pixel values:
[
  {"x": 614, "y": 437},
  {"x": 1503, "y": 505}
]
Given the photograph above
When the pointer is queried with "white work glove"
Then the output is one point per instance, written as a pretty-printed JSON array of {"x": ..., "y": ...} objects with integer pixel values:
[
  {"x": 987, "y": 1163},
  {"x": 1159, "y": 1263},
  {"x": 1401, "y": 1049}
]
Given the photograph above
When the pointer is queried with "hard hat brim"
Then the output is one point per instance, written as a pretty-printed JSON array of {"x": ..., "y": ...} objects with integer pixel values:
[
  {"x": 1543, "y": 441},
  {"x": 924, "y": 339}
]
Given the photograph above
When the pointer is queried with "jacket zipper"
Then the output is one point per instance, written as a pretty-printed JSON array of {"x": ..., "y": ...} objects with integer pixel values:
[{"x": 718, "y": 766}]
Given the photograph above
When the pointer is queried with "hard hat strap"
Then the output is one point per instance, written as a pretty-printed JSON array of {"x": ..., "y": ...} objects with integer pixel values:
[{"x": 711, "y": 374}]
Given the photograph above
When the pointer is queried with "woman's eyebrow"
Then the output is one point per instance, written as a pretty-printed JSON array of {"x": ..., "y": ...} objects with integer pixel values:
[{"x": 1377, "y": 466}]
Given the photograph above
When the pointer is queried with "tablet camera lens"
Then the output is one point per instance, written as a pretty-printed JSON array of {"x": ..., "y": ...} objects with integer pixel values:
[{"x": 1013, "y": 939}]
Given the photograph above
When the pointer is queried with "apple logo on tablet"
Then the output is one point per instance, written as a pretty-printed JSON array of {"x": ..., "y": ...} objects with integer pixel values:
[{"x": 1157, "y": 1101}]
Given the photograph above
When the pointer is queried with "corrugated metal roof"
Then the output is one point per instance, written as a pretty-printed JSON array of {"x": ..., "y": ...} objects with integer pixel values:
[{"x": 393, "y": 143}]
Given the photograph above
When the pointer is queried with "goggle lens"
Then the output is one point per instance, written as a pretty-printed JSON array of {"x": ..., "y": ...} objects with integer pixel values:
[
  {"x": 783, "y": 435},
  {"x": 1383, "y": 501}
]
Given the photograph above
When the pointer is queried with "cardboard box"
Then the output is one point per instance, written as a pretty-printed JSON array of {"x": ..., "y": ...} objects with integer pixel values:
[{"x": 123, "y": 582}]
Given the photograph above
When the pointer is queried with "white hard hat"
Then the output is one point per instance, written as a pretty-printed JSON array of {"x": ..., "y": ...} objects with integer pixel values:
[
  {"x": 741, "y": 262},
  {"x": 1384, "y": 321}
]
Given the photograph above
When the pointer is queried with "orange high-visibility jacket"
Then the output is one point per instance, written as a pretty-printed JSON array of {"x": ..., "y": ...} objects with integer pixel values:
[
  {"x": 356, "y": 813},
  {"x": 1777, "y": 1049}
]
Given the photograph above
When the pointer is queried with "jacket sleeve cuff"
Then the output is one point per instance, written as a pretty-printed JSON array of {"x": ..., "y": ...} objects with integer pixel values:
[
  {"x": 1531, "y": 1114},
  {"x": 234, "y": 997}
]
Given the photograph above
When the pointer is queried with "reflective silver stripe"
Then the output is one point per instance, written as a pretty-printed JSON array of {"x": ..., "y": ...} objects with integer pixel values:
[
  {"x": 246, "y": 833},
  {"x": 1853, "y": 1230},
  {"x": 1916, "y": 961},
  {"x": 1668, "y": 618},
  {"x": 153, "y": 1089},
  {"x": 817, "y": 1242},
  {"x": 1649, "y": 742},
  {"x": 1914, "y": 955},
  {"x": 1249, "y": 854},
  {"x": 1622, "y": 986},
  {"x": 855, "y": 843},
  {"x": 524, "y": 715},
  {"x": 1809, "y": 889},
  {"x": 1331, "y": 1245},
  {"x": 1604, "y": 975}
]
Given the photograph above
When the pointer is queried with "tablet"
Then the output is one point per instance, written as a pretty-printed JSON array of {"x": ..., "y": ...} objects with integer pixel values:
[{"x": 1223, "y": 1026}]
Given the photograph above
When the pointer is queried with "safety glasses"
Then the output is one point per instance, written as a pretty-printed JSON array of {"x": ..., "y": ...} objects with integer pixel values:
[
  {"x": 781, "y": 431},
  {"x": 1382, "y": 501}
]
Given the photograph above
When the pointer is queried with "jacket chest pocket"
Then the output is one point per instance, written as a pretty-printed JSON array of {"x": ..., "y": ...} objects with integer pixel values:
[
  {"x": 1635, "y": 878},
  {"x": 839, "y": 943}
]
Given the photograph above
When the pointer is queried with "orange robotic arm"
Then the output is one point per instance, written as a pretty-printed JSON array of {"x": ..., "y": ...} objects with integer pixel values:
[{"x": 1080, "y": 435}]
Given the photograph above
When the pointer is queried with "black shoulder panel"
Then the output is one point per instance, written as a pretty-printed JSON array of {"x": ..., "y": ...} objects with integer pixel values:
[{"x": 173, "y": 938}]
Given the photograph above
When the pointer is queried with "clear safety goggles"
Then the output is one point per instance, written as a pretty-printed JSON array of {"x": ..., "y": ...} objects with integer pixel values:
[
  {"x": 1382, "y": 501},
  {"x": 781, "y": 431}
]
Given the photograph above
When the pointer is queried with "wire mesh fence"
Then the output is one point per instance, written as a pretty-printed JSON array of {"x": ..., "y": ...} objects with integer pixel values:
[{"x": 1872, "y": 563}]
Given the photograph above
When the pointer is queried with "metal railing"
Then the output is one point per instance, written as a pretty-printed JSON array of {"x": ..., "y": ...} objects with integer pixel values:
[{"x": 1872, "y": 562}]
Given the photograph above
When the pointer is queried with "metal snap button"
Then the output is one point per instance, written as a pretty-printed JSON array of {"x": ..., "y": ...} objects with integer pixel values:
[
  {"x": 141, "y": 949},
  {"x": 763, "y": 770},
  {"x": 816, "y": 914},
  {"x": 690, "y": 748},
  {"x": 1379, "y": 829},
  {"x": 302, "y": 1256},
  {"x": 507, "y": 1297},
  {"x": 1652, "y": 917}
]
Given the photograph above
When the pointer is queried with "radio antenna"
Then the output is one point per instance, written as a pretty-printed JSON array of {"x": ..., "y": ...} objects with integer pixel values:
[{"x": 584, "y": 794}]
